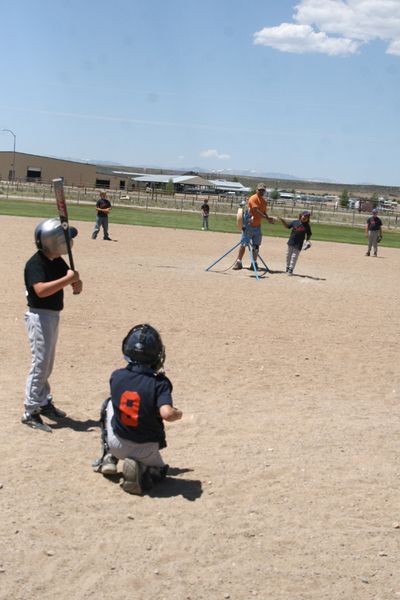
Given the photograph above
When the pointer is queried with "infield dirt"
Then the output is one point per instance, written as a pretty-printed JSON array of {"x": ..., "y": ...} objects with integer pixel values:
[{"x": 284, "y": 479}]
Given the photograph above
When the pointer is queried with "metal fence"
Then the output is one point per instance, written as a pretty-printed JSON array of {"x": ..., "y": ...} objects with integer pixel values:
[{"x": 322, "y": 212}]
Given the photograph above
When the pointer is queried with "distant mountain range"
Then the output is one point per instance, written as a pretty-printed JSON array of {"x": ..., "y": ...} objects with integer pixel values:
[
  {"x": 214, "y": 173},
  {"x": 224, "y": 172}
]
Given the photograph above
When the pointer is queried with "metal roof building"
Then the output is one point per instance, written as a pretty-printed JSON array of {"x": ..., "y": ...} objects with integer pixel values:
[
  {"x": 192, "y": 180},
  {"x": 230, "y": 186}
]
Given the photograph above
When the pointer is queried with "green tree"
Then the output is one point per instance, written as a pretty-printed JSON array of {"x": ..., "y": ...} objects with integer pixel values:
[
  {"x": 374, "y": 200},
  {"x": 344, "y": 199},
  {"x": 170, "y": 188},
  {"x": 274, "y": 195}
]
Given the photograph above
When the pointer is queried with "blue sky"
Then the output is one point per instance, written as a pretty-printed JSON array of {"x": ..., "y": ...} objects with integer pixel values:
[{"x": 309, "y": 88}]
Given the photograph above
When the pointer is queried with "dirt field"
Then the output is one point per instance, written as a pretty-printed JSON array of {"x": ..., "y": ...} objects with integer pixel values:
[{"x": 284, "y": 479}]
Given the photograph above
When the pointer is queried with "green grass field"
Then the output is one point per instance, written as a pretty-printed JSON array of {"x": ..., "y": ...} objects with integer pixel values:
[{"x": 188, "y": 220}]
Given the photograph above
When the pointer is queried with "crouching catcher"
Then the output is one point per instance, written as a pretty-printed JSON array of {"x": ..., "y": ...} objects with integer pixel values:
[{"x": 133, "y": 417}]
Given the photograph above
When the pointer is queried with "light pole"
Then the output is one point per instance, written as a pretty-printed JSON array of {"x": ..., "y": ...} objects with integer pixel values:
[{"x": 13, "y": 162}]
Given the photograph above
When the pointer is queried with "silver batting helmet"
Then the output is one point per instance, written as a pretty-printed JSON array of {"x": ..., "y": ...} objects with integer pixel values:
[{"x": 50, "y": 237}]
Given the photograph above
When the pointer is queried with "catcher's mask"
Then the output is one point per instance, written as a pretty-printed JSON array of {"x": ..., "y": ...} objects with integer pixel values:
[
  {"x": 50, "y": 236},
  {"x": 143, "y": 345}
]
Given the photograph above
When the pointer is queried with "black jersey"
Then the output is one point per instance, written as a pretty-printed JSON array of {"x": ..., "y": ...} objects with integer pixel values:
[
  {"x": 40, "y": 269},
  {"x": 137, "y": 395},
  {"x": 103, "y": 203},
  {"x": 374, "y": 223},
  {"x": 206, "y": 209},
  {"x": 299, "y": 232}
]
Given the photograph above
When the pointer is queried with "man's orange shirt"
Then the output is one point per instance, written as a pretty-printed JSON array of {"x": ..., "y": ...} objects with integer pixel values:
[{"x": 256, "y": 201}]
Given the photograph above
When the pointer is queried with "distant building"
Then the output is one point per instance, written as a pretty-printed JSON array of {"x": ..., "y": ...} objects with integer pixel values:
[
  {"x": 42, "y": 169},
  {"x": 229, "y": 187},
  {"x": 182, "y": 183}
]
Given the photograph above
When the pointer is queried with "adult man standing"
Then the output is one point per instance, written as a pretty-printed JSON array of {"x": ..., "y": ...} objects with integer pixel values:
[
  {"x": 373, "y": 231},
  {"x": 257, "y": 206},
  {"x": 103, "y": 207}
]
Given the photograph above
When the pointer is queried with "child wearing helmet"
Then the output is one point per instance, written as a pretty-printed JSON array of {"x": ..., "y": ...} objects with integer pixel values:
[
  {"x": 133, "y": 417},
  {"x": 46, "y": 275},
  {"x": 300, "y": 231}
]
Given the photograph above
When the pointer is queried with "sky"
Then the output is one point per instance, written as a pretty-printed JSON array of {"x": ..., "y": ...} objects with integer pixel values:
[{"x": 308, "y": 88}]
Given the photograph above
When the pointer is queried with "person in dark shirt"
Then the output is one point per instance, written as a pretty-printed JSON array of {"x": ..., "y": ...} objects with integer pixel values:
[
  {"x": 300, "y": 231},
  {"x": 133, "y": 417},
  {"x": 103, "y": 207},
  {"x": 46, "y": 275},
  {"x": 205, "y": 210},
  {"x": 373, "y": 231}
]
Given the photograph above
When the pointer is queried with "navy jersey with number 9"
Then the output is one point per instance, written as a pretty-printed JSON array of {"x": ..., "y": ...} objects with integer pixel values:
[{"x": 137, "y": 394}]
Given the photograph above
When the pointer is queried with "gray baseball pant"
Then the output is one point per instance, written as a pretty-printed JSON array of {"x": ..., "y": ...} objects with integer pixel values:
[
  {"x": 42, "y": 327},
  {"x": 291, "y": 257},
  {"x": 373, "y": 240},
  {"x": 148, "y": 453}
]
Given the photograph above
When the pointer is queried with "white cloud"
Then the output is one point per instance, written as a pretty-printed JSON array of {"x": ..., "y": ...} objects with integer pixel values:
[
  {"x": 302, "y": 38},
  {"x": 214, "y": 154},
  {"x": 336, "y": 27}
]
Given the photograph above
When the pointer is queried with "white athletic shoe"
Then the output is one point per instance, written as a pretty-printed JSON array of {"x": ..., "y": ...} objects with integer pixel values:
[{"x": 109, "y": 465}]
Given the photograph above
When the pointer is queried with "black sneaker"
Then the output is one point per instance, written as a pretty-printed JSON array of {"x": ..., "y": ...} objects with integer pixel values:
[
  {"x": 107, "y": 239},
  {"x": 35, "y": 421},
  {"x": 254, "y": 267},
  {"x": 158, "y": 473},
  {"x": 147, "y": 481},
  {"x": 52, "y": 412},
  {"x": 132, "y": 472}
]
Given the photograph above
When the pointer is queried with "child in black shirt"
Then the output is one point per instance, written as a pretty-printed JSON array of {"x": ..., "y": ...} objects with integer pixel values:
[
  {"x": 301, "y": 231},
  {"x": 133, "y": 417},
  {"x": 46, "y": 275}
]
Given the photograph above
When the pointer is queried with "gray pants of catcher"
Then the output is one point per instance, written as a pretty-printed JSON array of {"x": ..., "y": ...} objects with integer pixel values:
[
  {"x": 291, "y": 257},
  {"x": 42, "y": 327},
  {"x": 373, "y": 241},
  {"x": 148, "y": 454}
]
